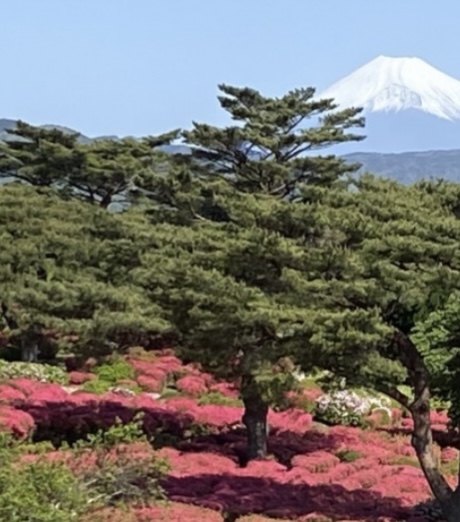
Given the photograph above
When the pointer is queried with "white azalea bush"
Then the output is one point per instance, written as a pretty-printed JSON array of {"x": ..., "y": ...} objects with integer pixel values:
[
  {"x": 348, "y": 408},
  {"x": 32, "y": 371}
]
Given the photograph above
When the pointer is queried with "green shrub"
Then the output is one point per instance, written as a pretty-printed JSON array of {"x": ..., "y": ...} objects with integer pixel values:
[
  {"x": 124, "y": 479},
  {"x": 306, "y": 404},
  {"x": 218, "y": 399},
  {"x": 348, "y": 455},
  {"x": 119, "y": 433},
  {"x": 96, "y": 386},
  {"x": 114, "y": 371},
  {"x": 141, "y": 354},
  {"x": 39, "y": 491},
  {"x": 33, "y": 371},
  {"x": 170, "y": 392},
  {"x": 403, "y": 460}
]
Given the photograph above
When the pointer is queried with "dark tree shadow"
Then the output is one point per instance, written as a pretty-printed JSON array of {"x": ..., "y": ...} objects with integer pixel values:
[
  {"x": 238, "y": 496},
  {"x": 67, "y": 422},
  {"x": 283, "y": 445}
]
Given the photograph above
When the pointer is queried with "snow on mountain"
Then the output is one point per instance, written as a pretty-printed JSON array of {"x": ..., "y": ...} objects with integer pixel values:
[{"x": 394, "y": 84}]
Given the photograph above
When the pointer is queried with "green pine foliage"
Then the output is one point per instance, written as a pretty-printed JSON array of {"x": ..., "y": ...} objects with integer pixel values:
[
  {"x": 64, "y": 276},
  {"x": 101, "y": 172},
  {"x": 252, "y": 254}
]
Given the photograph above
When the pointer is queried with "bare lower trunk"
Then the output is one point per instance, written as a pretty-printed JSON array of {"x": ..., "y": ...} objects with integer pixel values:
[
  {"x": 451, "y": 509},
  {"x": 422, "y": 441},
  {"x": 255, "y": 420},
  {"x": 422, "y": 437},
  {"x": 29, "y": 353}
]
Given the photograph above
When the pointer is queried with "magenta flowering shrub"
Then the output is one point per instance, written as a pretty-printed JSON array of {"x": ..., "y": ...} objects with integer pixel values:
[
  {"x": 17, "y": 422},
  {"x": 10, "y": 395},
  {"x": 150, "y": 384},
  {"x": 193, "y": 385},
  {"x": 177, "y": 512},
  {"x": 25, "y": 386},
  {"x": 167, "y": 371},
  {"x": 78, "y": 378},
  {"x": 226, "y": 389},
  {"x": 314, "y": 472},
  {"x": 290, "y": 420}
]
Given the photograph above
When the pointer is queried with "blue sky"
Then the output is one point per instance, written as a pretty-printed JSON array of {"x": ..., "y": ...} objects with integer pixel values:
[{"x": 145, "y": 66}]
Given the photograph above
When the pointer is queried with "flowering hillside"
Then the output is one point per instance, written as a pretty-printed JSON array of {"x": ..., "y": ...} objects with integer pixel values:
[{"x": 315, "y": 472}]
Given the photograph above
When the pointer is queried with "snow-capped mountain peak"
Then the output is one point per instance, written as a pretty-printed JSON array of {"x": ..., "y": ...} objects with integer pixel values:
[{"x": 394, "y": 84}]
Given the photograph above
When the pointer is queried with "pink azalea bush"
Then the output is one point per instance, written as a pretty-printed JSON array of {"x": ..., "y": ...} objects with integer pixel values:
[
  {"x": 314, "y": 472},
  {"x": 78, "y": 378},
  {"x": 17, "y": 422},
  {"x": 193, "y": 385},
  {"x": 8, "y": 394}
]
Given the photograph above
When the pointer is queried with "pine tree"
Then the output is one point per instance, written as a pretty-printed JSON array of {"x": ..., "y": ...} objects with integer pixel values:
[
  {"x": 402, "y": 268},
  {"x": 37, "y": 156},
  {"x": 65, "y": 275},
  {"x": 231, "y": 200},
  {"x": 108, "y": 171},
  {"x": 268, "y": 149},
  {"x": 102, "y": 171}
]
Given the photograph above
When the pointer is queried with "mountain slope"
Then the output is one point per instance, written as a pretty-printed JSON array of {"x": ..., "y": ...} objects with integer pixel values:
[
  {"x": 394, "y": 84},
  {"x": 408, "y": 105}
]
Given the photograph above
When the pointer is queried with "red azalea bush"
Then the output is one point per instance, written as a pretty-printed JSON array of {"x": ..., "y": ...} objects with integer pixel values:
[
  {"x": 78, "y": 378},
  {"x": 17, "y": 422},
  {"x": 26, "y": 386},
  {"x": 151, "y": 384},
  {"x": 9, "y": 394},
  {"x": 314, "y": 472},
  {"x": 175, "y": 512},
  {"x": 193, "y": 385},
  {"x": 226, "y": 389}
]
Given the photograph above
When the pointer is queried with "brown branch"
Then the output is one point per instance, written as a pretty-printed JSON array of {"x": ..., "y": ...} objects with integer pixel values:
[{"x": 396, "y": 395}]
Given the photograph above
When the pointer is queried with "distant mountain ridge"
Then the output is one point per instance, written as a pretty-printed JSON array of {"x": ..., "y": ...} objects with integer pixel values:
[
  {"x": 405, "y": 167},
  {"x": 409, "y": 167}
]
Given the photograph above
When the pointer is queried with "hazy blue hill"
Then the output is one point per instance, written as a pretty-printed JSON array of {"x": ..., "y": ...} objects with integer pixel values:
[{"x": 408, "y": 167}]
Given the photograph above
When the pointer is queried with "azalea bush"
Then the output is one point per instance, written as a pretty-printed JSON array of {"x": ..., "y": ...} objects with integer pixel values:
[
  {"x": 348, "y": 408},
  {"x": 33, "y": 371}
]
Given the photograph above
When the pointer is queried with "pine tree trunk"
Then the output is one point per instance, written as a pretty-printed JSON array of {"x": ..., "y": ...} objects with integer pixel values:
[
  {"x": 422, "y": 437},
  {"x": 451, "y": 509},
  {"x": 29, "y": 350},
  {"x": 255, "y": 420}
]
